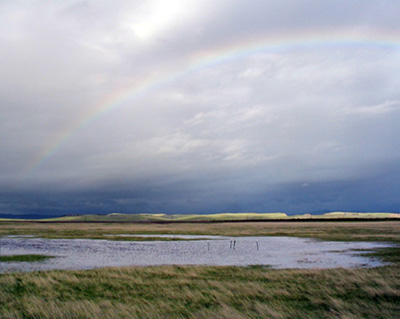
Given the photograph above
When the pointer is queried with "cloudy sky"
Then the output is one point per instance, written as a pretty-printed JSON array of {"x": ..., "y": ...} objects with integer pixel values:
[{"x": 199, "y": 106}]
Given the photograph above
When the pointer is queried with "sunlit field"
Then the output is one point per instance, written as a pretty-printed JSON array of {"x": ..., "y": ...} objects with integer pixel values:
[
  {"x": 203, "y": 291},
  {"x": 366, "y": 231}
]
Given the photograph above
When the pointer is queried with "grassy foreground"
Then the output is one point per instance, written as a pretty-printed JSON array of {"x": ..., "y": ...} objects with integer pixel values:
[
  {"x": 202, "y": 292},
  {"x": 207, "y": 292}
]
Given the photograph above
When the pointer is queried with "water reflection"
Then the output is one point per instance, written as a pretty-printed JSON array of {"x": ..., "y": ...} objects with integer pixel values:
[{"x": 277, "y": 252}]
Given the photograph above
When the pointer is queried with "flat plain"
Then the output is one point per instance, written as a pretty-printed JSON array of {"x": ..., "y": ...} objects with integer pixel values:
[{"x": 204, "y": 291}]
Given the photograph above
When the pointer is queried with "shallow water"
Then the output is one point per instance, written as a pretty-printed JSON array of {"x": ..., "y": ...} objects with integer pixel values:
[{"x": 277, "y": 252}]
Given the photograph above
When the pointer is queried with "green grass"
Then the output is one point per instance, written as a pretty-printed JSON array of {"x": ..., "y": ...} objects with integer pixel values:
[
  {"x": 195, "y": 292},
  {"x": 202, "y": 292},
  {"x": 23, "y": 258},
  {"x": 341, "y": 231},
  {"x": 390, "y": 254}
]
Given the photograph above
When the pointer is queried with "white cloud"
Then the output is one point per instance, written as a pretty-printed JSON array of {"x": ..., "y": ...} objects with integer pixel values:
[
  {"x": 374, "y": 110},
  {"x": 251, "y": 73},
  {"x": 155, "y": 17}
]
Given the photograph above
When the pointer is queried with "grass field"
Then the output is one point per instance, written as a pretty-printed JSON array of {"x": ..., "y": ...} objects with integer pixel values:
[
  {"x": 202, "y": 292},
  {"x": 207, "y": 292},
  {"x": 23, "y": 258},
  {"x": 370, "y": 231}
]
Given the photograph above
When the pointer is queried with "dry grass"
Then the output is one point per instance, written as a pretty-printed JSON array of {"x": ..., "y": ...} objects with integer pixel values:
[
  {"x": 370, "y": 231},
  {"x": 207, "y": 292},
  {"x": 202, "y": 292}
]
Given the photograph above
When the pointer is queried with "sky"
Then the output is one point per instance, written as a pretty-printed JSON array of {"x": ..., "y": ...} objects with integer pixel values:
[{"x": 199, "y": 106}]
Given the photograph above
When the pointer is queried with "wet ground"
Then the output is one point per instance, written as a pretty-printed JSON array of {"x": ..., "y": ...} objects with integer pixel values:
[{"x": 277, "y": 252}]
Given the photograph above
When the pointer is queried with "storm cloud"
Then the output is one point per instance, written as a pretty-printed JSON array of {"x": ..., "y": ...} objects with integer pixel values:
[{"x": 199, "y": 106}]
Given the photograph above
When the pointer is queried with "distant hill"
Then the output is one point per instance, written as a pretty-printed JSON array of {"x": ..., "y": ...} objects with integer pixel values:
[
  {"x": 171, "y": 217},
  {"x": 117, "y": 217},
  {"x": 360, "y": 215}
]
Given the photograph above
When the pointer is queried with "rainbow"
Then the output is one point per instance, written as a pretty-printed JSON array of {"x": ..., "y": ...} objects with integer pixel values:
[{"x": 381, "y": 39}]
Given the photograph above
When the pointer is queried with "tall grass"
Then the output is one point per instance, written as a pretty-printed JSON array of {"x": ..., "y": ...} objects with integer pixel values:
[
  {"x": 207, "y": 292},
  {"x": 202, "y": 292}
]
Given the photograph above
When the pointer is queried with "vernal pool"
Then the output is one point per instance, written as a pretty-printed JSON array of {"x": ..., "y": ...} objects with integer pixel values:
[{"x": 277, "y": 252}]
